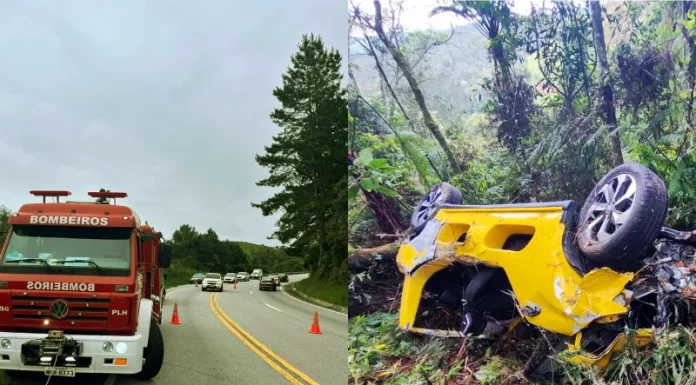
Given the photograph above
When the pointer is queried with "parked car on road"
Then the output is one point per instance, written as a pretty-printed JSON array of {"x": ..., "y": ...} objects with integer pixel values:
[
  {"x": 243, "y": 276},
  {"x": 197, "y": 278},
  {"x": 267, "y": 283},
  {"x": 212, "y": 281},
  {"x": 230, "y": 278},
  {"x": 283, "y": 277},
  {"x": 256, "y": 274}
]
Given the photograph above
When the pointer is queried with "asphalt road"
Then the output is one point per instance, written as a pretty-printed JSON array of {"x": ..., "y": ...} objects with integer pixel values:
[{"x": 241, "y": 336}]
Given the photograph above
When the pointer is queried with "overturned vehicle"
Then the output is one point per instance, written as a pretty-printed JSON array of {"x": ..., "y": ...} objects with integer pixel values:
[{"x": 593, "y": 277}]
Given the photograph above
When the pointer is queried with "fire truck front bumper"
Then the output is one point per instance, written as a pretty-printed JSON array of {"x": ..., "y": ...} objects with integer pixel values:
[{"x": 73, "y": 352}]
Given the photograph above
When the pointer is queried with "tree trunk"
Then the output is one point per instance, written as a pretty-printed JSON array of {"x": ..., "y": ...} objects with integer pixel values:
[
  {"x": 383, "y": 75},
  {"x": 405, "y": 67},
  {"x": 359, "y": 260},
  {"x": 386, "y": 209},
  {"x": 607, "y": 92}
]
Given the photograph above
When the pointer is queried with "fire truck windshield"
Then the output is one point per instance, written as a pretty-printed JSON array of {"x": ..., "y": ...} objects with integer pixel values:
[{"x": 68, "y": 250}]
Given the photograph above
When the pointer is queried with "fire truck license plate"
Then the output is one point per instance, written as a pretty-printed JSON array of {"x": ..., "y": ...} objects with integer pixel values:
[{"x": 60, "y": 372}]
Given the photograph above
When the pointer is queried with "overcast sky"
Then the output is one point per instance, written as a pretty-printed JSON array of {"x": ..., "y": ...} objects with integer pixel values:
[{"x": 166, "y": 100}]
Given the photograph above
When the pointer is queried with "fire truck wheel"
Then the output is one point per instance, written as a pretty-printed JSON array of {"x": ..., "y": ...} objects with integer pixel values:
[
  {"x": 16, "y": 374},
  {"x": 153, "y": 354}
]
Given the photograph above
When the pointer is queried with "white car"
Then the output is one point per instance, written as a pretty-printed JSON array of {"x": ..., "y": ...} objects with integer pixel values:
[
  {"x": 256, "y": 274},
  {"x": 212, "y": 281}
]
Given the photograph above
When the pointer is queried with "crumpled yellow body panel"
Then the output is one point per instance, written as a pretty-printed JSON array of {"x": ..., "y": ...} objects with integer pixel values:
[
  {"x": 641, "y": 338},
  {"x": 540, "y": 275}
]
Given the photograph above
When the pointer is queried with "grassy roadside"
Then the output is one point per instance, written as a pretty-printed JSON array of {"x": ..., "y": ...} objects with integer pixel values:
[
  {"x": 177, "y": 277},
  {"x": 325, "y": 293}
]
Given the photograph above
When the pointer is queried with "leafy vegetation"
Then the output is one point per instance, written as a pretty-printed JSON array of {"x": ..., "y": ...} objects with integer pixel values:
[
  {"x": 328, "y": 291},
  {"x": 379, "y": 353},
  {"x": 306, "y": 161},
  {"x": 535, "y": 107},
  {"x": 193, "y": 251}
]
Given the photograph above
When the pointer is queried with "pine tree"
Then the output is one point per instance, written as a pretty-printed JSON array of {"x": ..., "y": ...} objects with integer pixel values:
[{"x": 306, "y": 159}]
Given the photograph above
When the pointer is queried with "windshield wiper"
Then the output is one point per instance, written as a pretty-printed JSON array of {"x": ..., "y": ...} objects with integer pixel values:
[
  {"x": 43, "y": 262},
  {"x": 91, "y": 263}
]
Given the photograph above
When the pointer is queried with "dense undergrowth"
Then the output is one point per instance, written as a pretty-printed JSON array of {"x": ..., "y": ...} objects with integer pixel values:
[{"x": 380, "y": 353}]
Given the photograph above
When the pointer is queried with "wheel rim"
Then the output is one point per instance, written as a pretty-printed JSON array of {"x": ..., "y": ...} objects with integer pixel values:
[
  {"x": 427, "y": 206},
  {"x": 611, "y": 208}
]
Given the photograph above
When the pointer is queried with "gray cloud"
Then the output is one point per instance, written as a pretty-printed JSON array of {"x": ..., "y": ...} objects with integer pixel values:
[{"x": 166, "y": 100}]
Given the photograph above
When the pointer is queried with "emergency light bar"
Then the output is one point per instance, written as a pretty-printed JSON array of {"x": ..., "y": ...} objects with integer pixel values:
[
  {"x": 50, "y": 193},
  {"x": 107, "y": 194},
  {"x": 103, "y": 196}
]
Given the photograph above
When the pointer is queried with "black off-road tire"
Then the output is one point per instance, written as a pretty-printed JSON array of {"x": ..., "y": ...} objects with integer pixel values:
[
  {"x": 628, "y": 241},
  {"x": 441, "y": 193},
  {"x": 154, "y": 353}
]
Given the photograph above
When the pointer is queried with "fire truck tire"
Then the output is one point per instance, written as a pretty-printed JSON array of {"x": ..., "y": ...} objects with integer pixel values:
[
  {"x": 153, "y": 354},
  {"x": 16, "y": 374}
]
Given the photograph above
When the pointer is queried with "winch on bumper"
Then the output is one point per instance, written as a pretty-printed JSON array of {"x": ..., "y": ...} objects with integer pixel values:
[{"x": 83, "y": 353}]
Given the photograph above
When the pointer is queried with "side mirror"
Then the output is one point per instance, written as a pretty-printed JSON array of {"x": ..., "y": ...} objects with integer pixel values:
[{"x": 165, "y": 256}]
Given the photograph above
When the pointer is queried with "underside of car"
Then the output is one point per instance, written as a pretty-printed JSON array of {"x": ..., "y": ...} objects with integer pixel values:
[{"x": 591, "y": 277}]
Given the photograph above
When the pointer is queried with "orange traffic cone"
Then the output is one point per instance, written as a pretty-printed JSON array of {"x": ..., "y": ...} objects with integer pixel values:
[
  {"x": 315, "y": 323},
  {"x": 196, "y": 285},
  {"x": 175, "y": 316},
  {"x": 235, "y": 286}
]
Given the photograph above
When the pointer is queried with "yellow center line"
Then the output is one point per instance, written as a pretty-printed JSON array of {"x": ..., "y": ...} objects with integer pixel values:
[
  {"x": 218, "y": 312},
  {"x": 263, "y": 347}
]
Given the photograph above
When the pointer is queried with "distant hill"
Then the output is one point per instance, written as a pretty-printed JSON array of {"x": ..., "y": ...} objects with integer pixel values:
[
  {"x": 451, "y": 73},
  {"x": 268, "y": 258}
]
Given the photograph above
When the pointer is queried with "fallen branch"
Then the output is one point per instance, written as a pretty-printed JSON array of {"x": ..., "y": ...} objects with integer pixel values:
[{"x": 359, "y": 260}]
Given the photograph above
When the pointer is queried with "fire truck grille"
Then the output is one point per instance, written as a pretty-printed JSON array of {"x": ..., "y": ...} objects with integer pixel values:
[{"x": 42, "y": 308}]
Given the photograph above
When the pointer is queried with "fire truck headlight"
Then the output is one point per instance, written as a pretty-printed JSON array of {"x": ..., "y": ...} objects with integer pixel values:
[
  {"x": 108, "y": 347},
  {"x": 5, "y": 343},
  {"x": 121, "y": 348}
]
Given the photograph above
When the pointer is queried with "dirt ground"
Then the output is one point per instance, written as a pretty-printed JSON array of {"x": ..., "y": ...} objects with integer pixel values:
[{"x": 376, "y": 290}]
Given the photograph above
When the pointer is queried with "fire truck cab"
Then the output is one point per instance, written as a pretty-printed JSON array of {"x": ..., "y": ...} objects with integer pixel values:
[{"x": 81, "y": 288}]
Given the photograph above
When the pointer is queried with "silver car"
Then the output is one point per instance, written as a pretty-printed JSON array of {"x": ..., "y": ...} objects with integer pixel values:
[{"x": 230, "y": 278}]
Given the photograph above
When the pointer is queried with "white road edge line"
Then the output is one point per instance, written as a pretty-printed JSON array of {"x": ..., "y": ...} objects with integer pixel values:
[
  {"x": 274, "y": 308},
  {"x": 251, "y": 292},
  {"x": 311, "y": 304},
  {"x": 110, "y": 380}
]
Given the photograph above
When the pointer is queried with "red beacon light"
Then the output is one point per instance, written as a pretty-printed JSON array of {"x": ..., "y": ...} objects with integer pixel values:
[{"x": 50, "y": 193}]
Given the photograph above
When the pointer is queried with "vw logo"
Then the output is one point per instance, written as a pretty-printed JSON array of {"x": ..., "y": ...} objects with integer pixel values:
[{"x": 59, "y": 309}]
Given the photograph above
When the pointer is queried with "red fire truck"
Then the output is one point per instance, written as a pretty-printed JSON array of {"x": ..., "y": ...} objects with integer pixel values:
[{"x": 81, "y": 288}]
